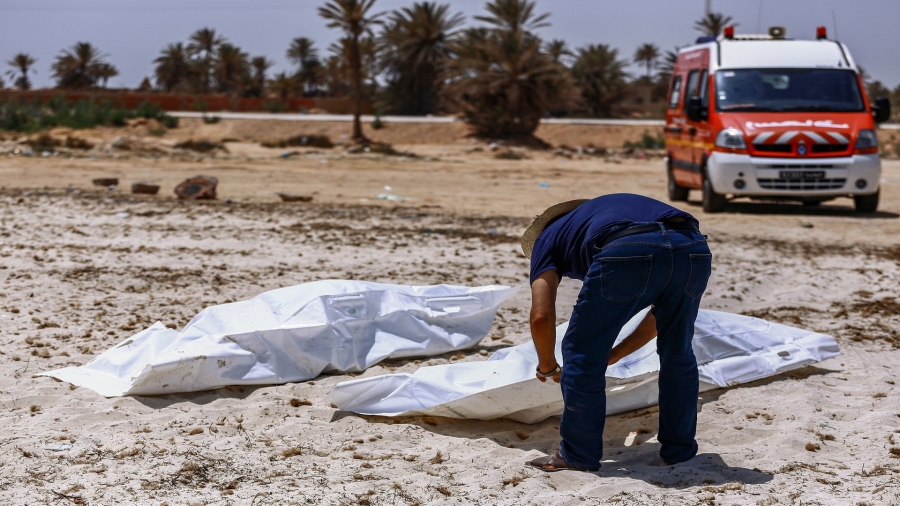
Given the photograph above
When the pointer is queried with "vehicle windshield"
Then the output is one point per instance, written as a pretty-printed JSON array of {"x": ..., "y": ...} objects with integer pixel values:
[{"x": 788, "y": 90}]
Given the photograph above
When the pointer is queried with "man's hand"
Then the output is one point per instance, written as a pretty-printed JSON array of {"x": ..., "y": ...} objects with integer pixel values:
[
  {"x": 543, "y": 321},
  {"x": 643, "y": 334},
  {"x": 555, "y": 377}
]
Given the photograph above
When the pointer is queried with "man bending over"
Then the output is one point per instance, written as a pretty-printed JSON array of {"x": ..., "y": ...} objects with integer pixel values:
[{"x": 631, "y": 252}]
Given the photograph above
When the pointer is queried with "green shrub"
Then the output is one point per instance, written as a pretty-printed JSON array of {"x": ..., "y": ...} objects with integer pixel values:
[
  {"x": 647, "y": 142},
  {"x": 44, "y": 142},
  {"x": 77, "y": 143},
  {"x": 168, "y": 121},
  {"x": 308, "y": 141},
  {"x": 377, "y": 124},
  {"x": 199, "y": 146},
  {"x": 20, "y": 116},
  {"x": 274, "y": 106},
  {"x": 156, "y": 132}
]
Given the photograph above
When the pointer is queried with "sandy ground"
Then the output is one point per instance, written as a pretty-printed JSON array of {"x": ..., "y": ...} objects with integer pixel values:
[{"x": 84, "y": 268}]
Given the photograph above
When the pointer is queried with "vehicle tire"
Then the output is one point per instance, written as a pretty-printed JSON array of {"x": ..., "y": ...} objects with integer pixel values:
[
  {"x": 866, "y": 203},
  {"x": 677, "y": 193},
  {"x": 712, "y": 202}
]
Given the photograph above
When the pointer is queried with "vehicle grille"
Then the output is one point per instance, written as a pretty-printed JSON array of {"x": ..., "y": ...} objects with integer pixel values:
[
  {"x": 829, "y": 148},
  {"x": 773, "y": 148},
  {"x": 802, "y": 184}
]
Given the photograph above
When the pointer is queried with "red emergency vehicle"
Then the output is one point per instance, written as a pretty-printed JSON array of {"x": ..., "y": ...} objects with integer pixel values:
[{"x": 767, "y": 117}]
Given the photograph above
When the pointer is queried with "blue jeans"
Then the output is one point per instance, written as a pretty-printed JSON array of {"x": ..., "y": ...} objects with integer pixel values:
[{"x": 670, "y": 270}]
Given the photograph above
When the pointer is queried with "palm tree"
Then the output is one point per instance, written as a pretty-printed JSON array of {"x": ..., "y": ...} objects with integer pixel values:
[
  {"x": 352, "y": 16},
  {"x": 173, "y": 67},
  {"x": 282, "y": 85},
  {"x": 302, "y": 50},
  {"x": 414, "y": 48},
  {"x": 500, "y": 79},
  {"x": 260, "y": 65},
  {"x": 513, "y": 16},
  {"x": 647, "y": 55},
  {"x": 22, "y": 63},
  {"x": 712, "y": 24},
  {"x": 78, "y": 67},
  {"x": 664, "y": 75},
  {"x": 231, "y": 67},
  {"x": 203, "y": 44},
  {"x": 105, "y": 72},
  {"x": 601, "y": 76},
  {"x": 303, "y": 53},
  {"x": 558, "y": 50}
]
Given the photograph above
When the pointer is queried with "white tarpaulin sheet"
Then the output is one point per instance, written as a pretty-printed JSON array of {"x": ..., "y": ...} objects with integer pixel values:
[
  {"x": 293, "y": 334},
  {"x": 730, "y": 349}
]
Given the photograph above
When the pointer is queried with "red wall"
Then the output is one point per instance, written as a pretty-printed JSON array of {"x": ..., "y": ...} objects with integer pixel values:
[{"x": 130, "y": 100}]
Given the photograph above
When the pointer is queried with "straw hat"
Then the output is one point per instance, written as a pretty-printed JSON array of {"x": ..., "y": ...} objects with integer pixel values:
[{"x": 541, "y": 221}]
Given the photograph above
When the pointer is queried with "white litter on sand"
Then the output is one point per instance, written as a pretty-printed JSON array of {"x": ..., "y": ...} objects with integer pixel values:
[
  {"x": 730, "y": 349},
  {"x": 293, "y": 334}
]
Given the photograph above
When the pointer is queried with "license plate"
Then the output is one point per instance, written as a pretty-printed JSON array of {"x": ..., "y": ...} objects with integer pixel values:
[{"x": 801, "y": 174}]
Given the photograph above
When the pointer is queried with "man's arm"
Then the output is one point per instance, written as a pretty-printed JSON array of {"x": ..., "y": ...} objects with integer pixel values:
[
  {"x": 543, "y": 320},
  {"x": 643, "y": 334}
]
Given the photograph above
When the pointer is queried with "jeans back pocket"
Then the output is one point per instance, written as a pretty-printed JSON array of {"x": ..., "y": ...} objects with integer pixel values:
[
  {"x": 624, "y": 278},
  {"x": 701, "y": 269}
]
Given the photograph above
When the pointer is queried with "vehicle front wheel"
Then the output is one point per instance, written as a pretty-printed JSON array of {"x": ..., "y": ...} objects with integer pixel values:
[
  {"x": 677, "y": 193},
  {"x": 866, "y": 203},
  {"x": 712, "y": 202}
]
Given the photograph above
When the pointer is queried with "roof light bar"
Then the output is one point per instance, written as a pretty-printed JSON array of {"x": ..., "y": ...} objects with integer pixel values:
[
  {"x": 729, "y": 32},
  {"x": 821, "y": 33}
]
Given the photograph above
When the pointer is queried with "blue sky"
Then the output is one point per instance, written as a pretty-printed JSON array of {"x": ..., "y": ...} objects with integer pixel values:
[{"x": 132, "y": 32}]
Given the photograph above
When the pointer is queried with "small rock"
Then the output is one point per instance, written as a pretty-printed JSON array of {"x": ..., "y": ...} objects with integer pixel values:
[
  {"x": 806, "y": 224},
  {"x": 105, "y": 181},
  {"x": 145, "y": 188},
  {"x": 289, "y": 197},
  {"x": 197, "y": 188}
]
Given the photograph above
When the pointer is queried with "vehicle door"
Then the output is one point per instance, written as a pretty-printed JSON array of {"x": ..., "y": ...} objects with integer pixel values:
[
  {"x": 675, "y": 122},
  {"x": 702, "y": 141},
  {"x": 689, "y": 132}
]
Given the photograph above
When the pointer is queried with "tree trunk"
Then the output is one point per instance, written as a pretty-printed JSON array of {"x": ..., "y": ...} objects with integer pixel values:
[{"x": 356, "y": 62}]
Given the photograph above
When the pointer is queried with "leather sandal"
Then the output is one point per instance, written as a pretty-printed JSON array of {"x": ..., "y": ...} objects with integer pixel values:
[{"x": 555, "y": 462}]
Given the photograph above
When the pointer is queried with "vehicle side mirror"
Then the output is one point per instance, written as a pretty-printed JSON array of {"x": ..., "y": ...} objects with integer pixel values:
[
  {"x": 882, "y": 109},
  {"x": 694, "y": 109}
]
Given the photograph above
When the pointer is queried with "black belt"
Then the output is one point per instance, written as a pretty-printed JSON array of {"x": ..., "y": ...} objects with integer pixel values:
[{"x": 643, "y": 229}]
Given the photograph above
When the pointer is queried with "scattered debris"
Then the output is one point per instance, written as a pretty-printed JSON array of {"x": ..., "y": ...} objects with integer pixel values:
[
  {"x": 201, "y": 146},
  {"x": 290, "y": 197},
  {"x": 197, "y": 188},
  {"x": 105, "y": 181},
  {"x": 145, "y": 188},
  {"x": 315, "y": 141}
]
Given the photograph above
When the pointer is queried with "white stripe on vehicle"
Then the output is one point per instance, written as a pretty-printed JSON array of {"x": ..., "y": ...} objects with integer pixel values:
[
  {"x": 816, "y": 137},
  {"x": 763, "y": 137},
  {"x": 786, "y": 137},
  {"x": 839, "y": 137}
]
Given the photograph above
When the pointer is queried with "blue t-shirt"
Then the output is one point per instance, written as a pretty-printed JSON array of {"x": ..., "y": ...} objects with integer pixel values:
[{"x": 567, "y": 244}]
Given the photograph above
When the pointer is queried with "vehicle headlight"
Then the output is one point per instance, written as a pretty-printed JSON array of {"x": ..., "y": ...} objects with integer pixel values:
[
  {"x": 866, "y": 140},
  {"x": 731, "y": 138}
]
